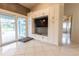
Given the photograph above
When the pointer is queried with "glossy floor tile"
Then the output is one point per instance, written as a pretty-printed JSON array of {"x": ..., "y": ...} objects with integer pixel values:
[{"x": 37, "y": 48}]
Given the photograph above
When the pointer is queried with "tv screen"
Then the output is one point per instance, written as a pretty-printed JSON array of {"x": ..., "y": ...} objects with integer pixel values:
[{"x": 41, "y": 21}]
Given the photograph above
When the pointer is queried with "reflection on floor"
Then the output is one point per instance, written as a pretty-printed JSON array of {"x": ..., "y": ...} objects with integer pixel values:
[
  {"x": 10, "y": 35},
  {"x": 35, "y": 47},
  {"x": 66, "y": 38}
]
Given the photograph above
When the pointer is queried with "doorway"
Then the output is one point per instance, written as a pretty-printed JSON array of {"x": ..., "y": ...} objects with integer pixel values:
[{"x": 66, "y": 36}]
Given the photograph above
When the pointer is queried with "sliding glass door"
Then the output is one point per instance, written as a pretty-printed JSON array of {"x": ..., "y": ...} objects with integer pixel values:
[
  {"x": 12, "y": 28},
  {"x": 7, "y": 28},
  {"x": 21, "y": 27}
]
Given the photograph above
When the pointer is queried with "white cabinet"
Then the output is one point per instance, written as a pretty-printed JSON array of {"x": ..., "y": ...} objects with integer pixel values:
[
  {"x": 55, "y": 13},
  {"x": 40, "y": 37},
  {"x": 44, "y": 38},
  {"x": 51, "y": 24}
]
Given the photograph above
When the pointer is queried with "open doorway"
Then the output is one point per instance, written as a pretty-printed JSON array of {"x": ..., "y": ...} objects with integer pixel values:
[{"x": 66, "y": 36}]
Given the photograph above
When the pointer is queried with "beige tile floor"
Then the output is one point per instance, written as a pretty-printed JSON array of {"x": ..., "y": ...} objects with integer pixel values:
[{"x": 37, "y": 48}]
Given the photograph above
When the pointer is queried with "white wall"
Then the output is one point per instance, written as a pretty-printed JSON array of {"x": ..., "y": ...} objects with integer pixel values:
[{"x": 73, "y": 10}]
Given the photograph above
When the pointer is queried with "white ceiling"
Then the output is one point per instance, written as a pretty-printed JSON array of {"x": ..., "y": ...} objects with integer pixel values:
[{"x": 28, "y": 5}]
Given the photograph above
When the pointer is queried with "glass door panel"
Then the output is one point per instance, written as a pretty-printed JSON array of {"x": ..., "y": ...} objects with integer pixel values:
[
  {"x": 30, "y": 26},
  {"x": 21, "y": 27},
  {"x": 7, "y": 28}
]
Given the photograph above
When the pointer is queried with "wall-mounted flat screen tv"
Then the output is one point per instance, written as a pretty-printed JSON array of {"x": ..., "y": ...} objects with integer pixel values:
[{"x": 41, "y": 21}]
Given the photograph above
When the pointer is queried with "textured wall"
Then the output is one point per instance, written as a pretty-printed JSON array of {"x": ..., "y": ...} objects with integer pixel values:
[{"x": 14, "y": 7}]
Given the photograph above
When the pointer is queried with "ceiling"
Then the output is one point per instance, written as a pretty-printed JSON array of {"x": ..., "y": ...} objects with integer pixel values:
[{"x": 28, "y": 5}]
